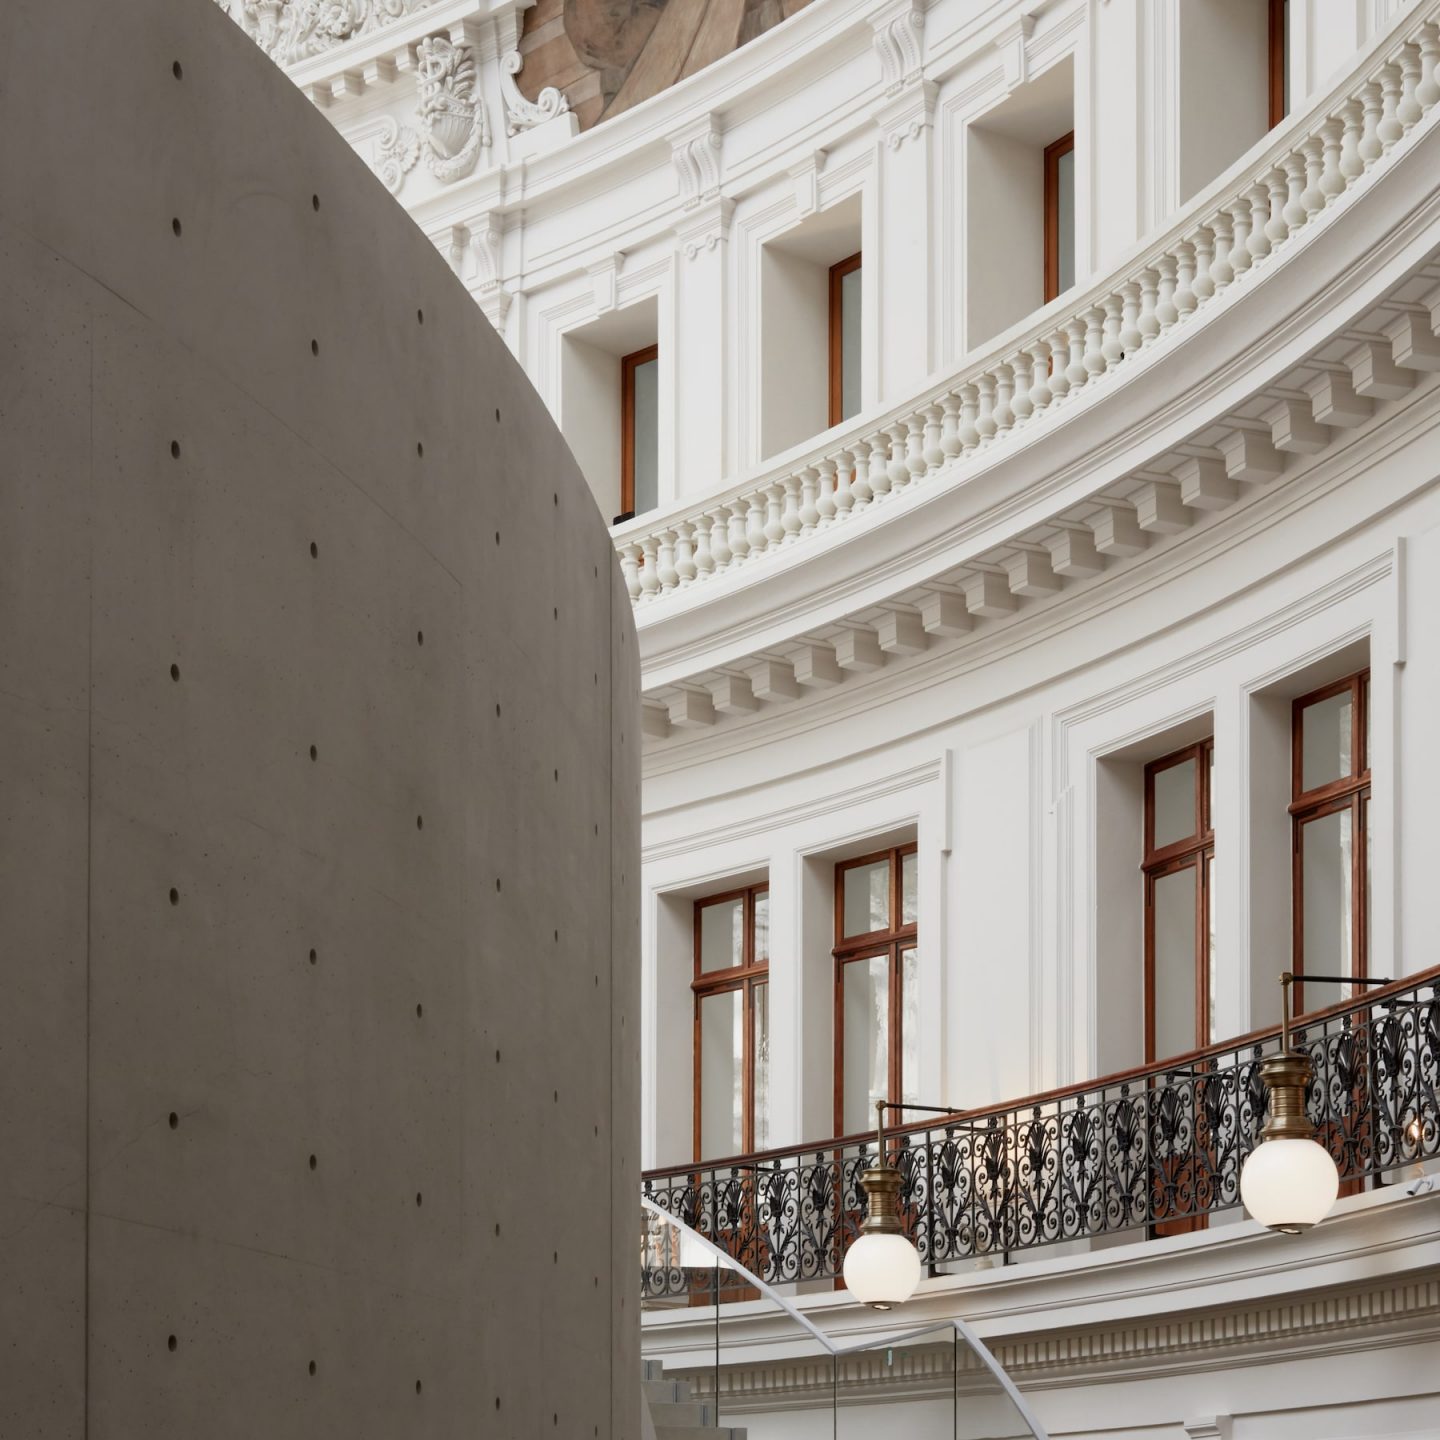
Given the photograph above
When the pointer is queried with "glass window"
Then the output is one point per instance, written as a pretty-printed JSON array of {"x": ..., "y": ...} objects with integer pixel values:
[
  {"x": 845, "y": 339},
  {"x": 867, "y": 899},
  {"x": 866, "y": 1010},
  {"x": 877, "y": 1027},
  {"x": 1330, "y": 804},
  {"x": 1175, "y": 817},
  {"x": 722, "y": 933},
  {"x": 1173, "y": 909},
  {"x": 1177, "y": 870},
  {"x": 640, "y": 431},
  {"x": 722, "y": 1073},
  {"x": 732, "y": 1012},
  {"x": 1059, "y": 216}
]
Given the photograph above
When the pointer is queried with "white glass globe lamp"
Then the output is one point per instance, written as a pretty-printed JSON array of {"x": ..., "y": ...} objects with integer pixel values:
[
  {"x": 1289, "y": 1182},
  {"x": 882, "y": 1268}
]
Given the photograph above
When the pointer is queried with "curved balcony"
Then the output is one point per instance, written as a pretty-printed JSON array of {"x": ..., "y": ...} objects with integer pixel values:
[
  {"x": 1063, "y": 450},
  {"x": 1154, "y": 1150}
]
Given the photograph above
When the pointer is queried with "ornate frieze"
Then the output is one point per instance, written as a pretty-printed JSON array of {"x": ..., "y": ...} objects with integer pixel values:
[
  {"x": 293, "y": 30},
  {"x": 397, "y": 149}
]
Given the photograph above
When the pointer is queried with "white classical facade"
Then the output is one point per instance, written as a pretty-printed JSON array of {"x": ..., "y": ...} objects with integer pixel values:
[{"x": 1060, "y": 540}]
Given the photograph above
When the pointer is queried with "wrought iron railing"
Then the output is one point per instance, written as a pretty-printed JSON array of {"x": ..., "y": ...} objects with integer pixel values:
[{"x": 1157, "y": 1149}]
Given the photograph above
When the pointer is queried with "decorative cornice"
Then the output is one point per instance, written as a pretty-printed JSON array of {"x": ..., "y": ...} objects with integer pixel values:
[{"x": 290, "y": 31}]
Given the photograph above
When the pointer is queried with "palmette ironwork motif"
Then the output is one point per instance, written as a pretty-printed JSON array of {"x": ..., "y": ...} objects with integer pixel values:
[{"x": 1157, "y": 1151}]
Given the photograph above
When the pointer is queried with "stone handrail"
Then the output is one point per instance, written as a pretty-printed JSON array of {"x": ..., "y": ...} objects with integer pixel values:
[{"x": 1238, "y": 223}]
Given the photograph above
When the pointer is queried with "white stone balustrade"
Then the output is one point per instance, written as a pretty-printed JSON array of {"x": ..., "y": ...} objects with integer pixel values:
[{"x": 1233, "y": 230}]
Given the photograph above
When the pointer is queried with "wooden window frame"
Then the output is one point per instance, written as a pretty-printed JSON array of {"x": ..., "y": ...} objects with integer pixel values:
[
  {"x": 1195, "y": 851},
  {"x": 1351, "y": 792},
  {"x": 743, "y": 977},
  {"x": 628, "y": 366},
  {"x": 1065, "y": 145},
  {"x": 1278, "y": 60},
  {"x": 891, "y": 943},
  {"x": 838, "y": 272}
]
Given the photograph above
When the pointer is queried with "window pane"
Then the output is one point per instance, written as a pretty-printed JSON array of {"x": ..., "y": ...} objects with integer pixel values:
[
  {"x": 909, "y": 889},
  {"x": 1065, "y": 218},
  {"x": 722, "y": 1049},
  {"x": 1325, "y": 871},
  {"x": 909, "y": 1026},
  {"x": 761, "y": 1023},
  {"x": 865, "y": 1006},
  {"x": 1174, "y": 791},
  {"x": 762, "y": 927},
  {"x": 647, "y": 436},
  {"x": 722, "y": 934},
  {"x": 867, "y": 898},
  {"x": 1174, "y": 920},
  {"x": 1325, "y": 748},
  {"x": 850, "y": 343}
]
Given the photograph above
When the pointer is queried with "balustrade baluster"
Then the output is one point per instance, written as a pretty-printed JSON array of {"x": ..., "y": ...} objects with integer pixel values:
[
  {"x": 1390, "y": 129},
  {"x": 985, "y": 420},
  {"x": 879, "y": 465},
  {"x": 1149, "y": 322},
  {"x": 969, "y": 432},
  {"x": 1371, "y": 148},
  {"x": 1277, "y": 186},
  {"x": 1021, "y": 406},
  {"x": 739, "y": 538},
  {"x": 934, "y": 451},
  {"x": 1004, "y": 415},
  {"x": 720, "y": 554},
  {"x": 1039, "y": 375},
  {"x": 844, "y": 483},
  {"x": 703, "y": 562},
  {"x": 1352, "y": 123},
  {"x": 860, "y": 482},
  {"x": 1166, "y": 313},
  {"x": 1094, "y": 341},
  {"x": 1332, "y": 137},
  {"x": 790, "y": 517},
  {"x": 630, "y": 568},
  {"x": 755, "y": 522},
  {"x": 809, "y": 514},
  {"x": 1294, "y": 212},
  {"x": 826, "y": 503},
  {"x": 1204, "y": 282},
  {"x": 950, "y": 427},
  {"x": 1130, "y": 337},
  {"x": 1408, "y": 111},
  {"x": 774, "y": 508},
  {"x": 668, "y": 574},
  {"x": 650, "y": 571},
  {"x": 1059, "y": 363},
  {"x": 899, "y": 464},
  {"x": 1221, "y": 273},
  {"x": 1258, "y": 240},
  {"x": 1427, "y": 92},
  {"x": 1313, "y": 197},
  {"x": 1240, "y": 256},
  {"x": 1111, "y": 348},
  {"x": 1076, "y": 371}
]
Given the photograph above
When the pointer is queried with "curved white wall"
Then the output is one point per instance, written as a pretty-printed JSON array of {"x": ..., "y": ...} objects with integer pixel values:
[{"x": 318, "y": 852}]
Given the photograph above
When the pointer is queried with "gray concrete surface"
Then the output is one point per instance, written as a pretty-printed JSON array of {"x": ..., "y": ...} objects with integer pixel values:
[{"x": 318, "y": 1070}]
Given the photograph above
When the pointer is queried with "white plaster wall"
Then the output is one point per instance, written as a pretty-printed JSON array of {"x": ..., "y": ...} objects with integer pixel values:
[{"x": 1223, "y": 92}]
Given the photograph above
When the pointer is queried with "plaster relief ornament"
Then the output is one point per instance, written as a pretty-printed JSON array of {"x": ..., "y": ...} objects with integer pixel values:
[
  {"x": 293, "y": 30},
  {"x": 456, "y": 127},
  {"x": 520, "y": 113},
  {"x": 396, "y": 151}
]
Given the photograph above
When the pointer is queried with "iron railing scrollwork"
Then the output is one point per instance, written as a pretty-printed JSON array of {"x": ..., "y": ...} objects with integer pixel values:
[{"x": 1157, "y": 1149}]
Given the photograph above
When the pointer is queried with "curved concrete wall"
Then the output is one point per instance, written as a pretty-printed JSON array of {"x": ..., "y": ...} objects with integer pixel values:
[{"x": 317, "y": 850}]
